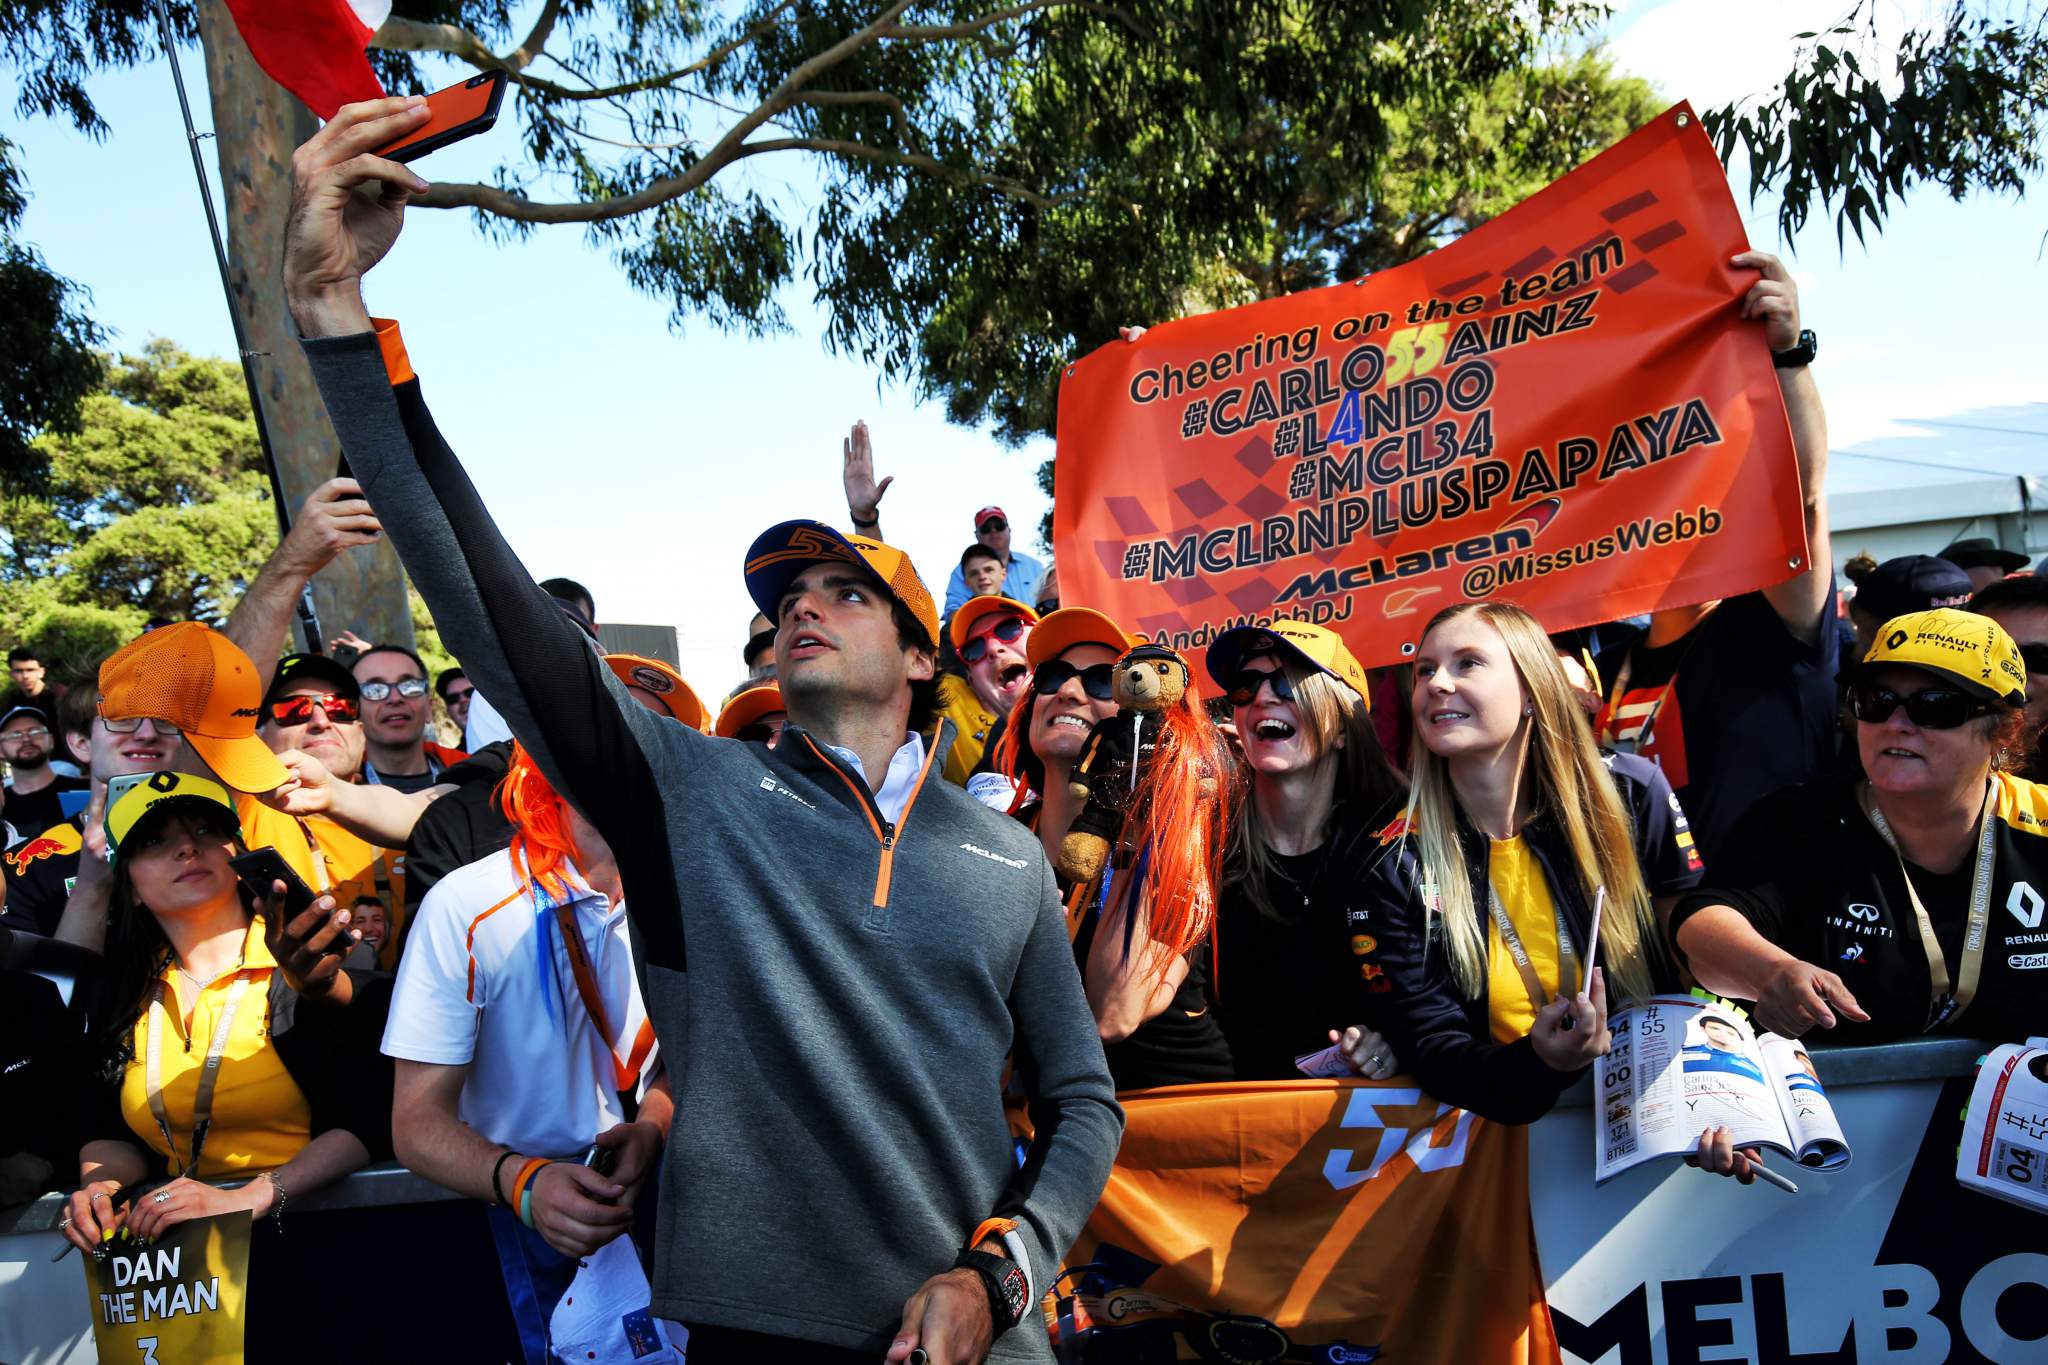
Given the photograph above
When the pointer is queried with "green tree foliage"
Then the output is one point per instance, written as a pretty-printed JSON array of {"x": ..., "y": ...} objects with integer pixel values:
[
  {"x": 156, "y": 505},
  {"x": 988, "y": 187},
  {"x": 1006, "y": 315},
  {"x": 47, "y": 365},
  {"x": 1960, "y": 105}
]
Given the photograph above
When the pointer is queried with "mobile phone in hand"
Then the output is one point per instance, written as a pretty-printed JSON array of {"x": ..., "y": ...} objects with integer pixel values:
[
  {"x": 603, "y": 1160},
  {"x": 457, "y": 112},
  {"x": 261, "y": 868}
]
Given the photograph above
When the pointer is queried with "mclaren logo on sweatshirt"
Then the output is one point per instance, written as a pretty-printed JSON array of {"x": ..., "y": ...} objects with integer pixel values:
[{"x": 981, "y": 852}]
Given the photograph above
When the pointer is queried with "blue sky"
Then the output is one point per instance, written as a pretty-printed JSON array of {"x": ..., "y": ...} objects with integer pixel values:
[{"x": 643, "y": 461}]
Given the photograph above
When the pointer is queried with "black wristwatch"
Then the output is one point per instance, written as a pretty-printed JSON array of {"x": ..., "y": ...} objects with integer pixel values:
[
  {"x": 1802, "y": 354},
  {"x": 1009, "y": 1293}
]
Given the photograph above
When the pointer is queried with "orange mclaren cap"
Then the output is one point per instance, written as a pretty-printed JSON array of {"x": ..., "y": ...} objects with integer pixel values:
[
  {"x": 1061, "y": 630},
  {"x": 783, "y": 551},
  {"x": 679, "y": 697},
  {"x": 200, "y": 681},
  {"x": 974, "y": 608},
  {"x": 748, "y": 707}
]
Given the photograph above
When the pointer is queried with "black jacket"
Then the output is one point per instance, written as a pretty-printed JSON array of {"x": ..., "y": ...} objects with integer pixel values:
[{"x": 1442, "y": 1038}]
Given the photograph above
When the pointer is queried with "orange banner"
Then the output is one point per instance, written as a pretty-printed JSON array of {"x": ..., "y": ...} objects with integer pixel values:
[
  {"x": 1561, "y": 409},
  {"x": 1307, "y": 1220}
]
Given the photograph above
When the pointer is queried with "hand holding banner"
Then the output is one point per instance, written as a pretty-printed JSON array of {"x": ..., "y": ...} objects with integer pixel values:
[{"x": 1563, "y": 407}]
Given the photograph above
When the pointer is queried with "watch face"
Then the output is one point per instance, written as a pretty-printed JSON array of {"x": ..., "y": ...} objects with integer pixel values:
[{"x": 1015, "y": 1292}]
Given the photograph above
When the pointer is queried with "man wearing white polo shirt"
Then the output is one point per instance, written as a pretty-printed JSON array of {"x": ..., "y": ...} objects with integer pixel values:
[{"x": 521, "y": 1042}]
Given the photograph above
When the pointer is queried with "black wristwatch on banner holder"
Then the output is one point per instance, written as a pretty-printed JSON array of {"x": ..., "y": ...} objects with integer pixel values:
[
  {"x": 1801, "y": 354},
  {"x": 1009, "y": 1294}
]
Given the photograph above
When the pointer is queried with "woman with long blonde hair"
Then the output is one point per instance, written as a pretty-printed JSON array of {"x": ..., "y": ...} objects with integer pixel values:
[{"x": 1515, "y": 825}]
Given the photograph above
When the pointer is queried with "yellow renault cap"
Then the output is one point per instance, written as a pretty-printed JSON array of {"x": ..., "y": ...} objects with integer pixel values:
[
  {"x": 1308, "y": 645},
  {"x": 162, "y": 789},
  {"x": 1960, "y": 647}
]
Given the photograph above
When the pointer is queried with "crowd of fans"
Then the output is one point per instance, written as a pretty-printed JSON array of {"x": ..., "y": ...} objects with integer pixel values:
[{"x": 472, "y": 954}]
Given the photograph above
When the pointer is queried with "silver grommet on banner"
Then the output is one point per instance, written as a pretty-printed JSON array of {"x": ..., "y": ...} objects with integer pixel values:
[
  {"x": 1684, "y": 119},
  {"x": 1069, "y": 371},
  {"x": 1407, "y": 649}
]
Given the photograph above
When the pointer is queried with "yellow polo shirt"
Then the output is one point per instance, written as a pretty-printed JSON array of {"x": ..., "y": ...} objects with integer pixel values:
[
  {"x": 1525, "y": 895},
  {"x": 260, "y": 1116},
  {"x": 971, "y": 723}
]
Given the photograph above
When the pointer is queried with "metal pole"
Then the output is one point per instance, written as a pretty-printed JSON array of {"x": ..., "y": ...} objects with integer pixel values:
[{"x": 309, "y": 621}]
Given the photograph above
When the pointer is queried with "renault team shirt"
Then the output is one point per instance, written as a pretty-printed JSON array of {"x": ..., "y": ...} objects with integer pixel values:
[
  {"x": 1806, "y": 868},
  {"x": 1737, "y": 708}
]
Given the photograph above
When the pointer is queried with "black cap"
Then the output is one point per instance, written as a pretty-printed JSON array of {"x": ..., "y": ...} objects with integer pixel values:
[
  {"x": 1981, "y": 552},
  {"x": 298, "y": 668},
  {"x": 1910, "y": 583}
]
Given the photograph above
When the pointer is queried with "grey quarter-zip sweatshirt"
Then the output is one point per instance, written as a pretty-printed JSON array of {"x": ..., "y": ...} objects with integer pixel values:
[{"x": 836, "y": 1034}]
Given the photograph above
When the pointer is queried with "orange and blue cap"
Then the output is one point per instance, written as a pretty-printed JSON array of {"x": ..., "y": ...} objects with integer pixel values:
[{"x": 785, "y": 550}]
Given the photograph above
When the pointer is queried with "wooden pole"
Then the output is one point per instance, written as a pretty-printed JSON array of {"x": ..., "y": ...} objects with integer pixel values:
[{"x": 257, "y": 125}]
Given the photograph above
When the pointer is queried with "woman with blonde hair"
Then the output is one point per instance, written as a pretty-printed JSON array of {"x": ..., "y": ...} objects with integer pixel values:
[{"x": 1483, "y": 896}]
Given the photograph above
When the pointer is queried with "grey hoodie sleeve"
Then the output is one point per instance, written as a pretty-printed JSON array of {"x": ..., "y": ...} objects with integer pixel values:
[
  {"x": 1076, "y": 1122},
  {"x": 597, "y": 745}
]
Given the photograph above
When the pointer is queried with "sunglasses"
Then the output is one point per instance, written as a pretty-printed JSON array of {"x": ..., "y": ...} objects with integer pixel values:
[
  {"x": 1243, "y": 689},
  {"x": 299, "y": 710},
  {"x": 1935, "y": 708},
  {"x": 1097, "y": 680},
  {"x": 993, "y": 524},
  {"x": 1009, "y": 630},
  {"x": 131, "y": 724},
  {"x": 405, "y": 687},
  {"x": 457, "y": 694},
  {"x": 757, "y": 733},
  {"x": 2035, "y": 657}
]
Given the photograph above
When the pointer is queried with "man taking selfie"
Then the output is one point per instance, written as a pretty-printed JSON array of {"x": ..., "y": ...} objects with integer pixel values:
[{"x": 866, "y": 944}]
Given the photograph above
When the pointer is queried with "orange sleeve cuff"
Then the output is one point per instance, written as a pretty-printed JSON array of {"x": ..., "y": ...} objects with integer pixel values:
[{"x": 397, "y": 364}]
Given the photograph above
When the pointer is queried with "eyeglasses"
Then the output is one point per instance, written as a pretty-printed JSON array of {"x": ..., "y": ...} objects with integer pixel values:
[
  {"x": 15, "y": 736},
  {"x": 1097, "y": 680},
  {"x": 993, "y": 524},
  {"x": 408, "y": 688},
  {"x": 299, "y": 710},
  {"x": 1009, "y": 630},
  {"x": 131, "y": 724},
  {"x": 1048, "y": 606},
  {"x": 1935, "y": 708},
  {"x": 2035, "y": 658},
  {"x": 1243, "y": 689}
]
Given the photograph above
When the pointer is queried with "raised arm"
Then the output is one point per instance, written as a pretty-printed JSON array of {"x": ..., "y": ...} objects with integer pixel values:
[
  {"x": 588, "y": 735},
  {"x": 1774, "y": 301},
  {"x": 334, "y": 517},
  {"x": 857, "y": 473}
]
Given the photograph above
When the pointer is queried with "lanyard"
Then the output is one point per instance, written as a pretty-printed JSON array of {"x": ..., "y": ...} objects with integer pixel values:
[
  {"x": 625, "y": 1070},
  {"x": 1945, "y": 1004},
  {"x": 209, "y": 1073},
  {"x": 1565, "y": 954},
  {"x": 1612, "y": 736}
]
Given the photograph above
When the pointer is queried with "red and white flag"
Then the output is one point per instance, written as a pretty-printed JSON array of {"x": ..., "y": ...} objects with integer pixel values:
[{"x": 314, "y": 48}]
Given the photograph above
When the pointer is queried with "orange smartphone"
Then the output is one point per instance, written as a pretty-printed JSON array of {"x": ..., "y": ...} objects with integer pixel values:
[{"x": 458, "y": 112}]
